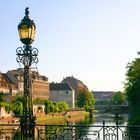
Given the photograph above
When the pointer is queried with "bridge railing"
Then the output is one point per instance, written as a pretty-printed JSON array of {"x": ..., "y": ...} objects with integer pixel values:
[{"x": 72, "y": 132}]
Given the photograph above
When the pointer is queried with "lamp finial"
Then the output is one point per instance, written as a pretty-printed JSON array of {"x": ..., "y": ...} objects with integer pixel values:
[{"x": 27, "y": 11}]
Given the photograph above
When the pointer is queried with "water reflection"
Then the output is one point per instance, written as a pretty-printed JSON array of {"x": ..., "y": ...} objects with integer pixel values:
[
  {"x": 96, "y": 131},
  {"x": 74, "y": 129},
  {"x": 111, "y": 118}
]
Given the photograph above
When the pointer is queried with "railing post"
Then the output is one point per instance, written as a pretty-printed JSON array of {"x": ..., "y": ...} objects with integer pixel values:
[
  {"x": 103, "y": 129},
  {"x": 117, "y": 130}
]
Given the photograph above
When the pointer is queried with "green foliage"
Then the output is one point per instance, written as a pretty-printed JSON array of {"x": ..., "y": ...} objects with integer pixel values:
[
  {"x": 63, "y": 106},
  {"x": 85, "y": 99},
  {"x": 48, "y": 106},
  {"x": 132, "y": 85},
  {"x": 103, "y": 102},
  {"x": 132, "y": 89},
  {"x": 8, "y": 107},
  {"x": 18, "y": 108},
  {"x": 55, "y": 106},
  {"x": 1, "y": 96},
  {"x": 19, "y": 98},
  {"x": 39, "y": 101},
  {"x": 118, "y": 98},
  {"x": 1, "y": 104}
]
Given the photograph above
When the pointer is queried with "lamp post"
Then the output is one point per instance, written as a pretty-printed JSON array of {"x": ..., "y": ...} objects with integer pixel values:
[
  {"x": 27, "y": 55},
  {"x": 116, "y": 112}
]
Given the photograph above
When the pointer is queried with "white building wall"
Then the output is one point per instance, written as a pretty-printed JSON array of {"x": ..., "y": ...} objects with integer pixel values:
[
  {"x": 35, "y": 108},
  {"x": 3, "y": 113},
  {"x": 73, "y": 99},
  {"x": 63, "y": 95}
]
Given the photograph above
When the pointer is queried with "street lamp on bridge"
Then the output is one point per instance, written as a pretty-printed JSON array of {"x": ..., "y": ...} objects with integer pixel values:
[{"x": 27, "y": 55}]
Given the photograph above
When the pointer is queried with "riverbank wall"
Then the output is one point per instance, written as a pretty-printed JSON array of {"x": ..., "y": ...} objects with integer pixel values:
[{"x": 63, "y": 117}]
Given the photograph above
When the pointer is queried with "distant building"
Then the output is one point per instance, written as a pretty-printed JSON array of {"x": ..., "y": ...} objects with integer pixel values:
[
  {"x": 4, "y": 113},
  {"x": 6, "y": 86},
  {"x": 75, "y": 84},
  {"x": 62, "y": 92},
  {"x": 16, "y": 77},
  {"x": 8, "y": 98},
  {"x": 103, "y": 95},
  {"x": 40, "y": 85}
]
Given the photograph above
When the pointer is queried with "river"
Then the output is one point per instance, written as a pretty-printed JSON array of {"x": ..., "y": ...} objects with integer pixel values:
[
  {"x": 87, "y": 128},
  {"x": 93, "y": 128},
  {"x": 109, "y": 118}
]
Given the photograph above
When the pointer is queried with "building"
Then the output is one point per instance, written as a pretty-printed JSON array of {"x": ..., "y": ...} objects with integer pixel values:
[
  {"x": 6, "y": 86},
  {"x": 62, "y": 92},
  {"x": 8, "y": 98},
  {"x": 40, "y": 85},
  {"x": 75, "y": 84},
  {"x": 16, "y": 77},
  {"x": 103, "y": 95},
  {"x": 4, "y": 113}
]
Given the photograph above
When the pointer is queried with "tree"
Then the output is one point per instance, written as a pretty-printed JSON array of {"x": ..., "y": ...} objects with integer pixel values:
[
  {"x": 132, "y": 89},
  {"x": 132, "y": 85},
  {"x": 49, "y": 107},
  {"x": 118, "y": 98},
  {"x": 85, "y": 99},
  {"x": 19, "y": 98},
  {"x": 63, "y": 106},
  {"x": 8, "y": 107},
  {"x": 39, "y": 101},
  {"x": 1, "y": 96},
  {"x": 18, "y": 108},
  {"x": 55, "y": 106}
]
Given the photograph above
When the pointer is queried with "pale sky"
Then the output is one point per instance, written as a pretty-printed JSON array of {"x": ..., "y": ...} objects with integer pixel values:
[{"x": 93, "y": 40}]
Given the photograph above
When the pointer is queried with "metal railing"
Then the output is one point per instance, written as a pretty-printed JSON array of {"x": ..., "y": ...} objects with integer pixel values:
[{"x": 72, "y": 132}]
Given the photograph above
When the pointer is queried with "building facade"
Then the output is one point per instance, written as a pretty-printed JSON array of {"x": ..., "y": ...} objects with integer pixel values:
[
  {"x": 6, "y": 86},
  {"x": 103, "y": 95},
  {"x": 16, "y": 77},
  {"x": 76, "y": 84},
  {"x": 40, "y": 85},
  {"x": 62, "y": 92}
]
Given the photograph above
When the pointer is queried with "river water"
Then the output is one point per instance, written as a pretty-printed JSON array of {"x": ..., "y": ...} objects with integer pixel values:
[
  {"x": 95, "y": 126},
  {"x": 93, "y": 129},
  {"x": 109, "y": 118}
]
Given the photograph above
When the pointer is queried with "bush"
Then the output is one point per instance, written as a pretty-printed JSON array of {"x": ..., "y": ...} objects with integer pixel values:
[
  {"x": 55, "y": 106},
  {"x": 63, "y": 106},
  {"x": 18, "y": 108}
]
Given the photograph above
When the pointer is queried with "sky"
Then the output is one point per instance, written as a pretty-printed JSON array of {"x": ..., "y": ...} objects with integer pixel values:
[{"x": 92, "y": 40}]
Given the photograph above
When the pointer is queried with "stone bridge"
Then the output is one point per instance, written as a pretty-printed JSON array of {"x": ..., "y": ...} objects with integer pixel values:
[{"x": 112, "y": 108}]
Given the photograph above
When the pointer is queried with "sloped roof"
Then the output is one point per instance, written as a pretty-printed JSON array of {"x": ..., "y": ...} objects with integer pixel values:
[
  {"x": 60, "y": 86},
  {"x": 75, "y": 83},
  {"x": 7, "y": 78}
]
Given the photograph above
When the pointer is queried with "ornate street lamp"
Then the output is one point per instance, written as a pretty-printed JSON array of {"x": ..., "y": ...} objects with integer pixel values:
[
  {"x": 116, "y": 113},
  {"x": 27, "y": 55}
]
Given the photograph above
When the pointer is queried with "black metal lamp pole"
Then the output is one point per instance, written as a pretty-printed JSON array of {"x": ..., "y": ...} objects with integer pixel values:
[
  {"x": 27, "y": 55},
  {"x": 116, "y": 113}
]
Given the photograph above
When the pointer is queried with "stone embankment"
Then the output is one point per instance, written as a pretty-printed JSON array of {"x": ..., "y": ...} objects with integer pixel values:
[
  {"x": 9, "y": 120},
  {"x": 69, "y": 116},
  {"x": 63, "y": 117}
]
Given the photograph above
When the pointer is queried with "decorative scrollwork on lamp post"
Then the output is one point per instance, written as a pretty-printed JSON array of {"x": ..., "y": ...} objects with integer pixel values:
[{"x": 27, "y": 55}]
